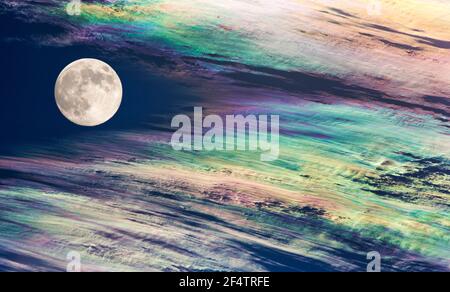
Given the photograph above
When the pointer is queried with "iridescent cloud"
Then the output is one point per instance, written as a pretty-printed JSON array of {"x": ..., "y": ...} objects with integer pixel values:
[{"x": 364, "y": 164}]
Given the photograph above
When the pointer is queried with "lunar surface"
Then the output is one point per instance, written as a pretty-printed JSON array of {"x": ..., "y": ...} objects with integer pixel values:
[{"x": 88, "y": 92}]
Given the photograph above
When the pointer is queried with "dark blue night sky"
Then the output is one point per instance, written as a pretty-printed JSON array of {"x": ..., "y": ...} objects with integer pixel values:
[{"x": 29, "y": 71}]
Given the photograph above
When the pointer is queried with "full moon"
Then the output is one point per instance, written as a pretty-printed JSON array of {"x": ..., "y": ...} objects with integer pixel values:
[{"x": 88, "y": 92}]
